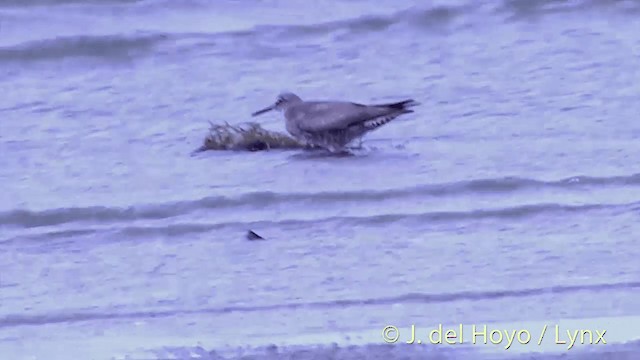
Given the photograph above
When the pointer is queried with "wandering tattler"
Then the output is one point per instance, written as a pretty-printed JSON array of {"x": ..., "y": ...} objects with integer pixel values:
[{"x": 333, "y": 124}]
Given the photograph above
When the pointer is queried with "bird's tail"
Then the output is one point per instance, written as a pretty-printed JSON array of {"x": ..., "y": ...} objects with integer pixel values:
[{"x": 401, "y": 106}]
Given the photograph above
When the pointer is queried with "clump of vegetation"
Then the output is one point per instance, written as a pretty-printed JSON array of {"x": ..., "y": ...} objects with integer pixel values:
[{"x": 246, "y": 137}]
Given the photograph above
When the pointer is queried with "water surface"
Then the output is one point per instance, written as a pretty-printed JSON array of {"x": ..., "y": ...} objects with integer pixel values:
[{"x": 509, "y": 197}]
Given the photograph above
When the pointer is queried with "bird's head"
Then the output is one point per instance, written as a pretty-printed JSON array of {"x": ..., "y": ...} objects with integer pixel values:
[{"x": 283, "y": 101}]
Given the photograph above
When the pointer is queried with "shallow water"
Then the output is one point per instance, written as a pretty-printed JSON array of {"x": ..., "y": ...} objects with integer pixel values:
[{"x": 508, "y": 197}]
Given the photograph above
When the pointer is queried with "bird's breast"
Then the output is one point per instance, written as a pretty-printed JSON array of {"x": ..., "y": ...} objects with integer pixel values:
[{"x": 292, "y": 127}]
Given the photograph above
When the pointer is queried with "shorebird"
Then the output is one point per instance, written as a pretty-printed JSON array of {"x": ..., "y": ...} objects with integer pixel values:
[{"x": 333, "y": 124}]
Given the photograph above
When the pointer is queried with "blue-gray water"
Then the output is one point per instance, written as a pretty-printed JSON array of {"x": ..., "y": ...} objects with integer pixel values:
[{"x": 510, "y": 197}]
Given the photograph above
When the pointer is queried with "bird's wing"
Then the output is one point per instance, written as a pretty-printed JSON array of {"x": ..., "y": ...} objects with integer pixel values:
[{"x": 333, "y": 115}]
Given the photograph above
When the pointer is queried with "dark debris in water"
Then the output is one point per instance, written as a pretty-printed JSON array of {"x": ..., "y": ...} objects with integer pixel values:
[
  {"x": 252, "y": 236},
  {"x": 246, "y": 137}
]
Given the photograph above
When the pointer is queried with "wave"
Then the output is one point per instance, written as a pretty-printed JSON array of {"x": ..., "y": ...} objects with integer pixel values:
[
  {"x": 412, "y": 298},
  {"x": 107, "y": 46},
  {"x": 133, "y": 44},
  {"x": 30, "y": 218},
  {"x": 420, "y": 18},
  {"x": 532, "y": 8},
  {"x": 439, "y": 16},
  {"x": 190, "y": 228},
  {"x": 429, "y": 17},
  {"x": 376, "y": 220}
]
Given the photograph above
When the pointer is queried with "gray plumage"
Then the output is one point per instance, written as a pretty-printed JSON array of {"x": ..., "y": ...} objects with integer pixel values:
[{"x": 333, "y": 124}]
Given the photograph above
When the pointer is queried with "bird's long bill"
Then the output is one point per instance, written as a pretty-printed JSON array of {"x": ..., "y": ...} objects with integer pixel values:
[{"x": 267, "y": 109}]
